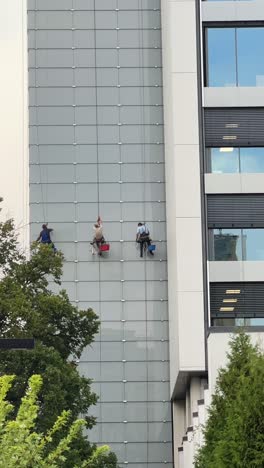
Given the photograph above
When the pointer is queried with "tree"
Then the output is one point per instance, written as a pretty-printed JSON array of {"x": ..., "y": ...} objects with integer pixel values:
[
  {"x": 21, "y": 446},
  {"x": 234, "y": 432},
  {"x": 29, "y": 308}
]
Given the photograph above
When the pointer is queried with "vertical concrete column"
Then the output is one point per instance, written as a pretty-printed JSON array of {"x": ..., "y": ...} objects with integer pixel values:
[
  {"x": 14, "y": 115},
  {"x": 195, "y": 393},
  {"x": 183, "y": 193},
  {"x": 179, "y": 422}
]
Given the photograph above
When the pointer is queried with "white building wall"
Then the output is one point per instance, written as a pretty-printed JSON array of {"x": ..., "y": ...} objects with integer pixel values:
[
  {"x": 14, "y": 118},
  {"x": 186, "y": 308}
]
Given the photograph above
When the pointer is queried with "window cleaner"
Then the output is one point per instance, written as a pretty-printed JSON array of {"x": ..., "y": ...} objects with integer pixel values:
[
  {"x": 44, "y": 236},
  {"x": 99, "y": 244},
  {"x": 143, "y": 239}
]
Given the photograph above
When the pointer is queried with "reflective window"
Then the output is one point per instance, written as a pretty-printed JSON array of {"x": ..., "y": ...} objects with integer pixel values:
[
  {"x": 235, "y": 56},
  {"x": 253, "y": 244},
  {"x": 237, "y": 322},
  {"x": 251, "y": 159},
  {"x": 227, "y": 245},
  {"x": 238, "y": 244},
  {"x": 235, "y": 160},
  {"x": 226, "y": 0},
  {"x": 224, "y": 160},
  {"x": 221, "y": 54}
]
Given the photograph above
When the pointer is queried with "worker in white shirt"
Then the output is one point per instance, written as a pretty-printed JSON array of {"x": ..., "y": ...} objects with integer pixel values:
[
  {"x": 98, "y": 239},
  {"x": 143, "y": 237}
]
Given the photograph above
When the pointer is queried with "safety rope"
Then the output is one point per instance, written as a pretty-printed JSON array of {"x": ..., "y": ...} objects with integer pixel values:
[
  {"x": 143, "y": 145},
  {"x": 98, "y": 201},
  {"x": 44, "y": 219}
]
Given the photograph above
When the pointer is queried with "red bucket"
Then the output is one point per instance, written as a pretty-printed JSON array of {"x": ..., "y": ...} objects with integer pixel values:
[{"x": 104, "y": 247}]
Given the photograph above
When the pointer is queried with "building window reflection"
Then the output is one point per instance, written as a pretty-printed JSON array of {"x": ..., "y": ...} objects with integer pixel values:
[
  {"x": 237, "y": 322},
  {"x": 236, "y": 160},
  {"x": 237, "y": 244},
  {"x": 235, "y": 56}
]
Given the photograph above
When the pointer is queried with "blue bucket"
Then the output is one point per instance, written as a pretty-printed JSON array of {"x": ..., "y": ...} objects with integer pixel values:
[{"x": 151, "y": 248}]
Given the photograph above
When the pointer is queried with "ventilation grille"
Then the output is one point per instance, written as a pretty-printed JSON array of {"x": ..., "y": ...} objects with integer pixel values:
[
  {"x": 237, "y": 300},
  {"x": 234, "y": 127},
  {"x": 225, "y": 211}
]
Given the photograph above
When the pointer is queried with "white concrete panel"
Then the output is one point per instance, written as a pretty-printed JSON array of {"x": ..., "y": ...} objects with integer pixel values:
[
  {"x": 183, "y": 205},
  {"x": 14, "y": 115},
  {"x": 185, "y": 109},
  {"x": 234, "y": 97},
  {"x": 187, "y": 180},
  {"x": 191, "y": 331},
  {"x": 233, "y": 11},
  {"x": 236, "y": 271},
  {"x": 252, "y": 183},
  {"x": 225, "y": 271},
  {"x": 223, "y": 183},
  {"x": 183, "y": 58},
  {"x": 234, "y": 183},
  {"x": 189, "y": 255},
  {"x": 217, "y": 352}
]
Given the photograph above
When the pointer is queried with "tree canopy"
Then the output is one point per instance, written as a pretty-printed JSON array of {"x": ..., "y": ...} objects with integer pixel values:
[
  {"x": 234, "y": 433},
  {"x": 30, "y": 308},
  {"x": 21, "y": 446}
]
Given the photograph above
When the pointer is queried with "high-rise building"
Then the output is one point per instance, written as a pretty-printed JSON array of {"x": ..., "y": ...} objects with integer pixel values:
[
  {"x": 151, "y": 111},
  {"x": 213, "y": 71}
]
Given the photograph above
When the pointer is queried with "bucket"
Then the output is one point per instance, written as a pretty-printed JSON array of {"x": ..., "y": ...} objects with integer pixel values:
[
  {"x": 104, "y": 247},
  {"x": 151, "y": 248}
]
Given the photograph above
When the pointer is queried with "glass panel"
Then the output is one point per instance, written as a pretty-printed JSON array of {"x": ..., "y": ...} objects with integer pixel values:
[
  {"x": 253, "y": 244},
  {"x": 237, "y": 322},
  {"x": 252, "y": 159},
  {"x": 224, "y": 160},
  {"x": 249, "y": 56},
  {"x": 221, "y": 57},
  {"x": 227, "y": 244}
]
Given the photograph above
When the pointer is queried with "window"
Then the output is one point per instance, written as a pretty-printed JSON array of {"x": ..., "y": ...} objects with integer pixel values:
[
  {"x": 237, "y": 322},
  {"x": 235, "y": 56},
  {"x": 237, "y": 244},
  {"x": 236, "y": 160},
  {"x": 225, "y": 0}
]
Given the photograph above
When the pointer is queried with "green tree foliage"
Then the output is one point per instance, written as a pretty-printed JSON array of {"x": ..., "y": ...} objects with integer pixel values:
[
  {"x": 234, "y": 433},
  {"x": 29, "y": 308},
  {"x": 21, "y": 446}
]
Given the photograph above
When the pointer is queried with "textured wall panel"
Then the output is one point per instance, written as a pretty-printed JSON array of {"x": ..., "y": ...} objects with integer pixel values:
[{"x": 96, "y": 146}]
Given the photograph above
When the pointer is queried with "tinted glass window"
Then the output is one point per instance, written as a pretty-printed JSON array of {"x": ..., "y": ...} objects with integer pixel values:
[
  {"x": 252, "y": 159},
  {"x": 234, "y": 160},
  {"x": 227, "y": 245},
  {"x": 224, "y": 160},
  {"x": 250, "y": 64},
  {"x": 235, "y": 56},
  {"x": 221, "y": 57},
  {"x": 253, "y": 244},
  {"x": 238, "y": 244},
  {"x": 237, "y": 322}
]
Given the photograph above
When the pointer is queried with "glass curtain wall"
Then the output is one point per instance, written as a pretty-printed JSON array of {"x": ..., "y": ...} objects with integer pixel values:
[{"x": 96, "y": 147}]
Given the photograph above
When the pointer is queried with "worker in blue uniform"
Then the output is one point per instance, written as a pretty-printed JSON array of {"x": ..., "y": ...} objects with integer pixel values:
[{"x": 44, "y": 236}]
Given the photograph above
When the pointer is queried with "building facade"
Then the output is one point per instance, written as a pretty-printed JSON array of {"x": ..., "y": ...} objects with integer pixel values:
[
  {"x": 96, "y": 148},
  {"x": 145, "y": 110},
  {"x": 213, "y": 73}
]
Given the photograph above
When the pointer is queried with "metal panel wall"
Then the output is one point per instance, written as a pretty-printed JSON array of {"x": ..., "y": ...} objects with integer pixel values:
[
  {"x": 234, "y": 127},
  {"x": 96, "y": 136},
  {"x": 235, "y": 210},
  {"x": 247, "y": 297}
]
